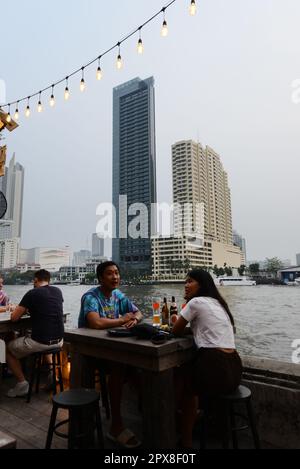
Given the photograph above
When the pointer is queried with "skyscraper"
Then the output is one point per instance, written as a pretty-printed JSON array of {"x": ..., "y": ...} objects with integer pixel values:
[
  {"x": 134, "y": 170},
  {"x": 97, "y": 246},
  {"x": 199, "y": 177},
  {"x": 12, "y": 185}
]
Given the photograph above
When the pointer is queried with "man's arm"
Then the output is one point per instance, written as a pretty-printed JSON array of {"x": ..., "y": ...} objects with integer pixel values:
[
  {"x": 95, "y": 322},
  {"x": 138, "y": 316},
  {"x": 18, "y": 313}
]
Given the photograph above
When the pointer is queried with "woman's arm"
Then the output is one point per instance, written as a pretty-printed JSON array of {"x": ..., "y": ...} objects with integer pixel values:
[{"x": 179, "y": 326}]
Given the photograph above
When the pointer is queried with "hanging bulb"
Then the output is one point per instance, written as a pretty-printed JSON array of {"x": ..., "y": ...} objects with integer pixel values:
[
  {"x": 67, "y": 92},
  {"x": 119, "y": 59},
  {"x": 40, "y": 106},
  {"x": 52, "y": 99},
  {"x": 164, "y": 29},
  {"x": 193, "y": 8},
  {"x": 8, "y": 117},
  {"x": 140, "y": 46},
  {"x": 17, "y": 115},
  {"x": 99, "y": 73},
  {"x": 27, "y": 112},
  {"x": 82, "y": 83}
]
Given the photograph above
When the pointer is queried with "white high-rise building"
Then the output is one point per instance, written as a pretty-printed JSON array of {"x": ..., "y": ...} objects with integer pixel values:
[
  {"x": 51, "y": 259},
  {"x": 9, "y": 253},
  {"x": 12, "y": 185},
  {"x": 201, "y": 184}
]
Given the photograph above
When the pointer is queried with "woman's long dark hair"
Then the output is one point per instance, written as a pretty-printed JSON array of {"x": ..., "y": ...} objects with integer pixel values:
[{"x": 208, "y": 288}]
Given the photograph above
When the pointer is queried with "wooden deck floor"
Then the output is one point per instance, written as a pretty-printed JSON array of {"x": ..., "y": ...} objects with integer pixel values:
[{"x": 28, "y": 423}]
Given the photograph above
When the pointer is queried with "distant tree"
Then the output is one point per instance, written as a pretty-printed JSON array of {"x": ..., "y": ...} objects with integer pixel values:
[
  {"x": 228, "y": 271},
  {"x": 254, "y": 269},
  {"x": 187, "y": 264},
  {"x": 242, "y": 270},
  {"x": 221, "y": 272},
  {"x": 216, "y": 270},
  {"x": 273, "y": 265}
]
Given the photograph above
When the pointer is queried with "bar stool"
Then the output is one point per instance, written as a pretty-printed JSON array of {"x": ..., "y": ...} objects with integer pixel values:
[
  {"x": 227, "y": 410},
  {"x": 84, "y": 416},
  {"x": 36, "y": 371}
]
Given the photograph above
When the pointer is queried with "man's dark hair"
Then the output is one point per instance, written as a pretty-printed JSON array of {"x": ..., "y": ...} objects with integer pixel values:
[
  {"x": 102, "y": 267},
  {"x": 42, "y": 275}
]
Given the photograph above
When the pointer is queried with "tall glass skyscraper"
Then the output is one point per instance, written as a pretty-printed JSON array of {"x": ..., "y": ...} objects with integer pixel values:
[{"x": 134, "y": 172}]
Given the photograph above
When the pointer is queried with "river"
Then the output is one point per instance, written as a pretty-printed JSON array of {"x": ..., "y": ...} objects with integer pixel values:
[{"x": 267, "y": 317}]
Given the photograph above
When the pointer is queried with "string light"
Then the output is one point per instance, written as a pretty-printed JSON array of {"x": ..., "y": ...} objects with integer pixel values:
[
  {"x": 193, "y": 8},
  {"x": 164, "y": 29},
  {"x": 99, "y": 73},
  {"x": 119, "y": 58},
  {"x": 82, "y": 83},
  {"x": 27, "y": 111},
  {"x": 17, "y": 115},
  {"x": 52, "y": 99},
  {"x": 8, "y": 117},
  {"x": 40, "y": 106},
  {"x": 140, "y": 46},
  {"x": 67, "y": 92}
]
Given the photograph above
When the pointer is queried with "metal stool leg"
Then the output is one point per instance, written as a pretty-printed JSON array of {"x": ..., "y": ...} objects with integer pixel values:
[
  {"x": 60, "y": 377},
  {"x": 51, "y": 427},
  {"x": 253, "y": 425},
  {"x": 104, "y": 393},
  {"x": 31, "y": 381},
  {"x": 99, "y": 427},
  {"x": 233, "y": 428},
  {"x": 225, "y": 427},
  {"x": 38, "y": 373}
]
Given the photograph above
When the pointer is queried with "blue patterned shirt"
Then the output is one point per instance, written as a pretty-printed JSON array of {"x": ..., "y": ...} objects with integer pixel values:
[{"x": 110, "y": 308}]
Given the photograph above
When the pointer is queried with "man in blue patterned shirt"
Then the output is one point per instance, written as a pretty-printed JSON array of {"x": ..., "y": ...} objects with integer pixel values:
[{"x": 106, "y": 307}]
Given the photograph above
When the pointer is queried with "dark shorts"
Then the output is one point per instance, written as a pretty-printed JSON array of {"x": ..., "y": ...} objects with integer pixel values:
[{"x": 216, "y": 372}]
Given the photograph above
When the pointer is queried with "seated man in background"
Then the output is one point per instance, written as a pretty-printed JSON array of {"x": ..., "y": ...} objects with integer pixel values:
[
  {"x": 105, "y": 307},
  {"x": 45, "y": 306},
  {"x": 4, "y": 300}
]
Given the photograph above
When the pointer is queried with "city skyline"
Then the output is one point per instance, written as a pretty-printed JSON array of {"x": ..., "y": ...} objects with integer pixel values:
[{"x": 232, "y": 93}]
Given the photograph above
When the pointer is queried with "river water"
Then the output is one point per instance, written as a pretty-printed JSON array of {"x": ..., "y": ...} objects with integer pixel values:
[{"x": 267, "y": 317}]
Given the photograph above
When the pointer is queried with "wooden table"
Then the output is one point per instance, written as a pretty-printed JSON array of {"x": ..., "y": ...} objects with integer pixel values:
[{"x": 156, "y": 362}]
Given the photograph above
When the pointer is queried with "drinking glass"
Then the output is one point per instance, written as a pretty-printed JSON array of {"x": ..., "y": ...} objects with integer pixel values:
[{"x": 156, "y": 315}]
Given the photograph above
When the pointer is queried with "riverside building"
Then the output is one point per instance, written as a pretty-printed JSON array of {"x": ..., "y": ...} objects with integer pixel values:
[{"x": 198, "y": 179}]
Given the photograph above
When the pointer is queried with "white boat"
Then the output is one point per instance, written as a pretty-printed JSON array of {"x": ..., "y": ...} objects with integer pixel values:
[
  {"x": 234, "y": 282},
  {"x": 297, "y": 281},
  {"x": 73, "y": 283}
]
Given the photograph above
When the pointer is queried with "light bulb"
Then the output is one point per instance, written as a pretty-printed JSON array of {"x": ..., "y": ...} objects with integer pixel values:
[
  {"x": 16, "y": 116},
  {"x": 164, "y": 29},
  {"x": 67, "y": 93},
  {"x": 193, "y": 8},
  {"x": 52, "y": 101},
  {"x": 27, "y": 112},
  {"x": 99, "y": 74},
  {"x": 82, "y": 85},
  {"x": 140, "y": 46},
  {"x": 119, "y": 62},
  {"x": 40, "y": 107},
  {"x": 8, "y": 118}
]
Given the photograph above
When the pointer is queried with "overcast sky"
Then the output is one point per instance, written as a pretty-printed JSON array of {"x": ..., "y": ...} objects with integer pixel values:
[{"x": 223, "y": 77}]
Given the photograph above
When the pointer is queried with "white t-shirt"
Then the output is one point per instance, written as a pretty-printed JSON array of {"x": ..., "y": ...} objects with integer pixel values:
[{"x": 209, "y": 322}]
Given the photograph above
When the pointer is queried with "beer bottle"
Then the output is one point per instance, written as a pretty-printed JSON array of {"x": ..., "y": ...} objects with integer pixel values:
[
  {"x": 165, "y": 313},
  {"x": 173, "y": 312}
]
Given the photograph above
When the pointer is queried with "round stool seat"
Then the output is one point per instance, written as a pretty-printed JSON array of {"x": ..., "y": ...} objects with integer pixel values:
[
  {"x": 241, "y": 393},
  {"x": 76, "y": 398},
  {"x": 49, "y": 352}
]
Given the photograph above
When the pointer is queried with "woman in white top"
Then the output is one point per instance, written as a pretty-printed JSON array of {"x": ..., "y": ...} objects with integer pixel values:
[{"x": 217, "y": 368}]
